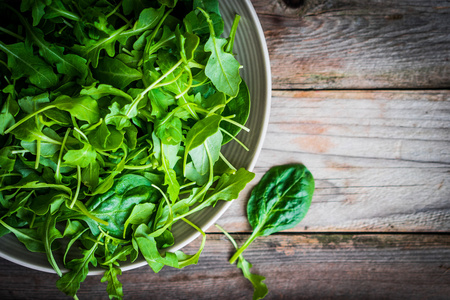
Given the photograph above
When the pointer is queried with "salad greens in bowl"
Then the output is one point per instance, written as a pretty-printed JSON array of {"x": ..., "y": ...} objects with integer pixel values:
[{"x": 126, "y": 130}]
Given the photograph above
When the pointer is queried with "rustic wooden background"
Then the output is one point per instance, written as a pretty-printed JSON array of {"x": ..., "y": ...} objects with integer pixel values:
[{"x": 361, "y": 96}]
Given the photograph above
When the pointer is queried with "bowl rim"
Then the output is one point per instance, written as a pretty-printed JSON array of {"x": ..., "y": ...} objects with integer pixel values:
[{"x": 267, "y": 78}]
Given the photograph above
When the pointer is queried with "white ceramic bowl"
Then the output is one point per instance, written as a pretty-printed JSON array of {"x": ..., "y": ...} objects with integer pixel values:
[{"x": 252, "y": 53}]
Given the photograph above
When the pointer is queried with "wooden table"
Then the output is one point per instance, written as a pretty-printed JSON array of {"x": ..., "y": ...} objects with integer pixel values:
[{"x": 361, "y": 97}]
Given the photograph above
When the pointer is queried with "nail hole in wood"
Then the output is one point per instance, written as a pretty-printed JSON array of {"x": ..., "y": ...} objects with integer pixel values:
[{"x": 294, "y": 3}]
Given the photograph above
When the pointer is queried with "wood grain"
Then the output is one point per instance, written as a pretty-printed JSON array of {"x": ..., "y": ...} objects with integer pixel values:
[
  {"x": 347, "y": 44},
  {"x": 361, "y": 97},
  {"x": 313, "y": 266},
  {"x": 381, "y": 159}
]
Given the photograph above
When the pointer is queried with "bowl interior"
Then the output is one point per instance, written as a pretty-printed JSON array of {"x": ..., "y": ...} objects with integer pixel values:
[{"x": 252, "y": 53}]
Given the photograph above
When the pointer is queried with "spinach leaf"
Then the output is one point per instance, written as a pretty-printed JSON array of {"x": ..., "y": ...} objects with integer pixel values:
[
  {"x": 116, "y": 205},
  {"x": 279, "y": 201}
]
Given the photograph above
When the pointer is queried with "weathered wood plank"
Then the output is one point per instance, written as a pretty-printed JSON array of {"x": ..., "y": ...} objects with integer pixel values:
[
  {"x": 346, "y": 44},
  {"x": 318, "y": 266},
  {"x": 381, "y": 159}
]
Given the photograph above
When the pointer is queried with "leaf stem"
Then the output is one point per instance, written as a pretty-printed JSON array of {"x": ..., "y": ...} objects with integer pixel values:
[
  {"x": 81, "y": 133},
  {"x": 38, "y": 154},
  {"x": 142, "y": 167},
  {"x": 188, "y": 86},
  {"x": 12, "y": 34},
  {"x": 210, "y": 23},
  {"x": 187, "y": 185},
  {"x": 170, "y": 219},
  {"x": 226, "y": 161},
  {"x": 58, "y": 166},
  {"x": 152, "y": 86},
  {"x": 204, "y": 188},
  {"x": 170, "y": 81},
  {"x": 227, "y": 235},
  {"x": 27, "y": 117},
  {"x": 234, "y": 138},
  {"x": 64, "y": 13},
  {"x": 75, "y": 197},
  {"x": 236, "y": 124},
  {"x": 254, "y": 235},
  {"x": 195, "y": 257},
  {"x": 229, "y": 47},
  {"x": 214, "y": 109},
  {"x": 114, "y": 11},
  {"x": 19, "y": 151},
  {"x": 10, "y": 174},
  {"x": 194, "y": 64}
]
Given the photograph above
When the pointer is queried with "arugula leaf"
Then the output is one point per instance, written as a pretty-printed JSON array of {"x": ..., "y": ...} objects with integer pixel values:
[
  {"x": 90, "y": 49},
  {"x": 239, "y": 107},
  {"x": 114, "y": 287},
  {"x": 7, "y": 159},
  {"x": 170, "y": 176},
  {"x": 50, "y": 234},
  {"x": 111, "y": 128},
  {"x": 168, "y": 3},
  {"x": 260, "y": 288},
  {"x": 148, "y": 248},
  {"x": 29, "y": 237},
  {"x": 69, "y": 283},
  {"x": 116, "y": 73},
  {"x": 222, "y": 68},
  {"x": 230, "y": 185},
  {"x": 23, "y": 63},
  {"x": 148, "y": 19},
  {"x": 82, "y": 157},
  {"x": 104, "y": 90},
  {"x": 82, "y": 107},
  {"x": 57, "y": 9},
  {"x": 29, "y": 131},
  {"x": 199, "y": 154},
  {"x": 37, "y": 8},
  {"x": 197, "y": 135},
  {"x": 141, "y": 213},
  {"x": 69, "y": 64}
]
